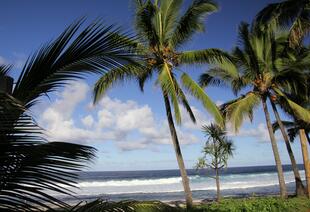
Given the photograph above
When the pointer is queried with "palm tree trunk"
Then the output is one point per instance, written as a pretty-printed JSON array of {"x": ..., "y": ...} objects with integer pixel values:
[
  {"x": 304, "y": 149},
  {"x": 308, "y": 138},
  {"x": 175, "y": 141},
  {"x": 217, "y": 179},
  {"x": 275, "y": 150},
  {"x": 300, "y": 189}
]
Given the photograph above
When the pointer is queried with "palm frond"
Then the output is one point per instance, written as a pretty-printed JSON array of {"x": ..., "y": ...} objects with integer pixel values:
[
  {"x": 145, "y": 13},
  {"x": 169, "y": 11},
  {"x": 110, "y": 78},
  {"x": 203, "y": 56},
  {"x": 31, "y": 166},
  {"x": 6, "y": 82},
  {"x": 5, "y": 69},
  {"x": 167, "y": 84},
  {"x": 295, "y": 109},
  {"x": 199, "y": 93},
  {"x": 185, "y": 103},
  {"x": 192, "y": 21},
  {"x": 235, "y": 111},
  {"x": 95, "y": 49},
  {"x": 295, "y": 14},
  {"x": 286, "y": 124}
]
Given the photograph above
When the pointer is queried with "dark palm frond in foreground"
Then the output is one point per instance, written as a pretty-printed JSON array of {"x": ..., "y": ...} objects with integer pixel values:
[
  {"x": 30, "y": 165},
  {"x": 73, "y": 54},
  {"x": 31, "y": 168}
]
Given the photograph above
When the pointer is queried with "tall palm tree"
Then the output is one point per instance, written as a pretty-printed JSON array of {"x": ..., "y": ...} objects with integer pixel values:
[
  {"x": 30, "y": 166},
  {"x": 162, "y": 30},
  {"x": 260, "y": 65},
  {"x": 291, "y": 13},
  {"x": 216, "y": 152},
  {"x": 299, "y": 127}
]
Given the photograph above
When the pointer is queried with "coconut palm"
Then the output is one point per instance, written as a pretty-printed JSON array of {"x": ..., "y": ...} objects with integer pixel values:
[
  {"x": 291, "y": 13},
  {"x": 298, "y": 127},
  {"x": 30, "y": 165},
  {"x": 260, "y": 64},
  {"x": 162, "y": 30},
  {"x": 216, "y": 152}
]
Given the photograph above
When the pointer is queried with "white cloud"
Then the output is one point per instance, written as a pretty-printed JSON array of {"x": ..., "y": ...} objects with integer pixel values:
[
  {"x": 111, "y": 120},
  {"x": 260, "y": 133},
  {"x": 88, "y": 121}
]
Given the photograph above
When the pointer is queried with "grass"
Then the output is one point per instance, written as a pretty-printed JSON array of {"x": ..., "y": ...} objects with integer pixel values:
[
  {"x": 263, "y": 204},
  {"x": 259, "y": 204}
]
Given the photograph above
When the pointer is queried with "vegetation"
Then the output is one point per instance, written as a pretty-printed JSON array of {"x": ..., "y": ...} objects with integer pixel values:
[
  {"x": 266, "y": 65},
  {"x": 262, "y": 204},
  {"x": 31, "y": 165},
  {"x": 162, "y": 31},
  {"x": 217, "y": 151}
]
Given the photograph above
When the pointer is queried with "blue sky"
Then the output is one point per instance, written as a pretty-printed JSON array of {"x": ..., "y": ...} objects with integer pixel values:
[{"x": 128, "y": 127}]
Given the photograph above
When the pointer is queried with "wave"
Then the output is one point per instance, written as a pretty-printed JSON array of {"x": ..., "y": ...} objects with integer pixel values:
[
  {"x": 234, "y": 182},
  {"x": 160, "y": 181}
]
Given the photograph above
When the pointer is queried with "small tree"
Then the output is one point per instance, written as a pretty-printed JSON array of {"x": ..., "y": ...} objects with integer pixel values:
[{"x": 217, "y": 150}]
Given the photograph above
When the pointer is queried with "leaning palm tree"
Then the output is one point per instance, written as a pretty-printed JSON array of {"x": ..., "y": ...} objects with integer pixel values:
[
  {"x": 260, "y": 65},
  {"x": 299, "y": 127},
  {"x": 30, "y": 165},
  {"x": 291, "y": 13},
  {"x": 161, "y": 31},
  {"x": 216, "y": 152}
]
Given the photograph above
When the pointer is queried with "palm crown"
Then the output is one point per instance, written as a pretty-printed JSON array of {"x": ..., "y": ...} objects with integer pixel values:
[
  {"x": 162, "y": 31},
  {"x": 265, "y": 64},
  {"x": 291, "y": 13}
]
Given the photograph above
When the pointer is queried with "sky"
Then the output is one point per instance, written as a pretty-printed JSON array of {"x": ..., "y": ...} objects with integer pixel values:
[{"x": 129, "y": 128}]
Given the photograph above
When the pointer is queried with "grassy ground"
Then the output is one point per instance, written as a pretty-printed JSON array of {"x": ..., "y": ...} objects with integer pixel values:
[
  {"x": 259, "y": 204},
  {"x": 262, "y": 204}
]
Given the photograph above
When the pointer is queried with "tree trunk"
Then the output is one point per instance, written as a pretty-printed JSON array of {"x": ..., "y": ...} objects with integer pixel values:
[
  {"x": 308, "y": 138},
  {"x": 275, "y": 150},
  {"x": 218, "y": 191},
  {"x": 175, "y": 141},
  {"x": 304, "y": 149},
  {"x": 300, "y": 189}
]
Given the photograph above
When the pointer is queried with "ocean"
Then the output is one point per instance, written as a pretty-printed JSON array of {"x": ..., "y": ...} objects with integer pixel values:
[{"x": 166, "y": 185}]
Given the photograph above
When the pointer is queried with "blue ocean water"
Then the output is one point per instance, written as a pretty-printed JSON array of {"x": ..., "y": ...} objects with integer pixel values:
[{"x": 166, "y": 185}]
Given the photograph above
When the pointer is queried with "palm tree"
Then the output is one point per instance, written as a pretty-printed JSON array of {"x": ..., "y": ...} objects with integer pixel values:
[
  {"x": 217, "y": 150},
  {"x": 291, "y": 13},
  {"x": 261, "y": 65},
  {"x": 30, "y": 165},
  {"x": 298, "y": 127},
  {"x": 161, "y": 32}
]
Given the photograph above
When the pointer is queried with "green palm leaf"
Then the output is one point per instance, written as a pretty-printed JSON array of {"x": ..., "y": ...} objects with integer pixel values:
[
  {"x": 110, "y": 78},
  {"x": 199, "y": 93},
  {"x": 203, "y": 56},
  {"x": 192, "y": 21},
  {"x": 236, "y": 110},
  {"x": 167, "y": 83}
]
